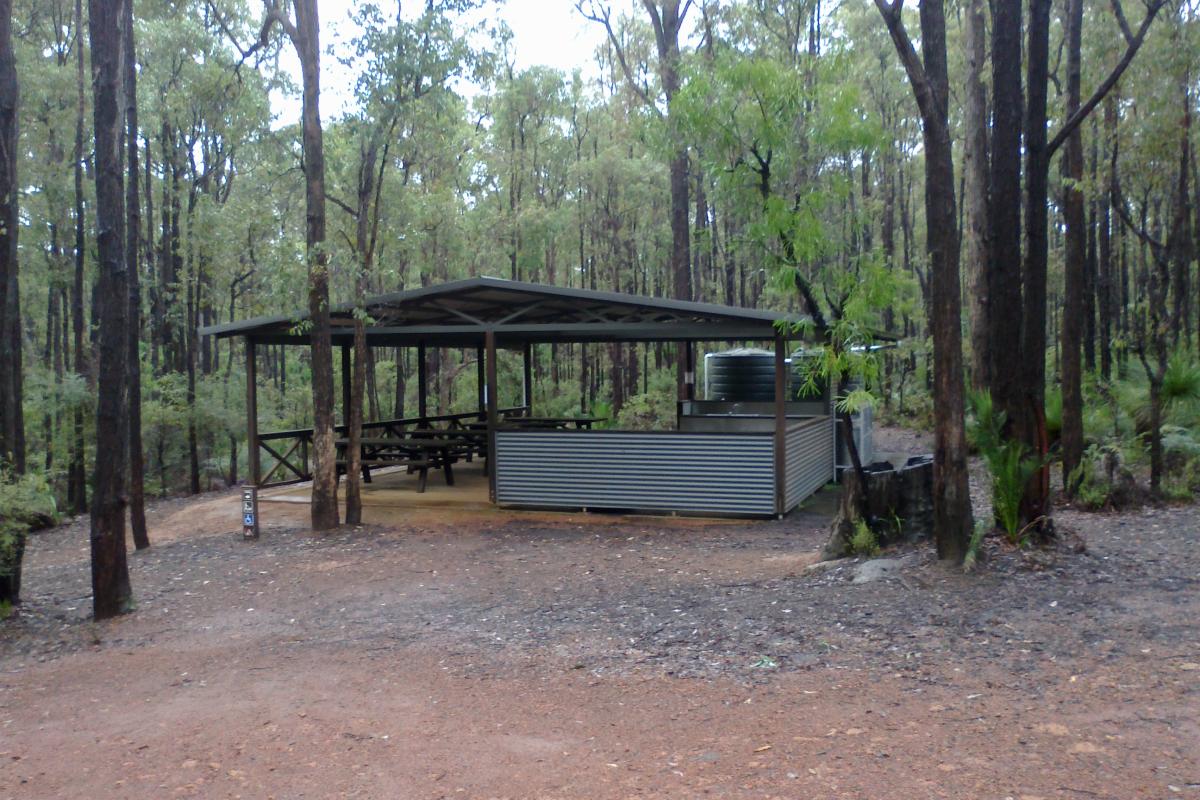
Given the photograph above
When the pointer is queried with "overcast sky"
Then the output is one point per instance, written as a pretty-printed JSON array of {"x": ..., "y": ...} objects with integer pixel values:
[{"x": 547, "y": 32}]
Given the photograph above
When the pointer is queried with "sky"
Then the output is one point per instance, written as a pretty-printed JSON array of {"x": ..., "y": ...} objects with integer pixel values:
[{"x": 545, "y": 32}]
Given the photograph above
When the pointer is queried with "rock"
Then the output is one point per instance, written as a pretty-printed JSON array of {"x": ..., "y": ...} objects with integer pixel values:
[{"x": 876, "y": 569}]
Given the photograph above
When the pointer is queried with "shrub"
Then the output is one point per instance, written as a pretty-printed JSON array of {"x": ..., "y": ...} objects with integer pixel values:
[
  {"x": 864, "y": 541},
  {"x": 25, "y": 501},
  {"x": 1102, "y": 480},
  {"x": 1008, "y": 461},
  {"x": 646, "y": 412},
  {"x": 973, "y": 546}
]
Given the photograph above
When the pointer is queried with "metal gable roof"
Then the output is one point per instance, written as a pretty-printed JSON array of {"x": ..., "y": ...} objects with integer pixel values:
[{"x": 459, "y": 312}]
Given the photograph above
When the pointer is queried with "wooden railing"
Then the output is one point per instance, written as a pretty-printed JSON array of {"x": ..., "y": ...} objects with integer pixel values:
[{"x": 288, "y": 453}]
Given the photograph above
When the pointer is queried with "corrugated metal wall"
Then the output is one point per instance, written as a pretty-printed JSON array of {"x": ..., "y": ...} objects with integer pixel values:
[
  {"x": 809, "y": 459},
  {"x": 702, "y": 473}
]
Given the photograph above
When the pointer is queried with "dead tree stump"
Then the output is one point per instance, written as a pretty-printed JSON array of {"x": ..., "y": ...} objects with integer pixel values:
[{"x": 896, "y": 504}]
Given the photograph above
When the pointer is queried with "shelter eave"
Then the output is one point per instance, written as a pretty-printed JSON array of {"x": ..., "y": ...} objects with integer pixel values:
[{"x": 506, "y": 335}]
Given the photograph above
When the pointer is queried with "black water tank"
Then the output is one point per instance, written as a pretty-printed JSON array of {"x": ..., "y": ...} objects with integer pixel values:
[{"x": 746, "y": 375}]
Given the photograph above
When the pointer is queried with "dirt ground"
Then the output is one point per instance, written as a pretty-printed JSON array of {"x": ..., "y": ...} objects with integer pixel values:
[{"x": 567, "y": 656}]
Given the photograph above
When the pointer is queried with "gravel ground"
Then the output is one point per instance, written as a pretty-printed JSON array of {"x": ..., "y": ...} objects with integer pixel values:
[{"x": 637, "y": 629}]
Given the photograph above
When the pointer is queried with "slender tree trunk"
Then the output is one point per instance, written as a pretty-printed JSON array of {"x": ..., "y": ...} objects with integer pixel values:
[
  {"x": 930, "y": 85},
  {"x": 1182, "y": 250},
  {"x": 50, "y": 353},
  {"x": 111, "y": 593},
  {"x": 1004, "y": 209},
  {"x": 76, "y": 478},
  {"x": 1156, "y": 447},
  {"x": 12, "y": 421},
  {"x": 133, "y": 226},
  {"x": 325, "y": 477},
  {"x": 363, "y": 253},
  {"x": 1030, "y": 418},
  {"x": 1104, "y": 282},
  {"x": 1090, "y": 268},
  {"x": 975, "y": 169},
  {"x": 401, "y": 387},
  {"x": 12, "y": 415},
  {"x": 189, "y": 346},
  {"x": 1075, "y": 275}
]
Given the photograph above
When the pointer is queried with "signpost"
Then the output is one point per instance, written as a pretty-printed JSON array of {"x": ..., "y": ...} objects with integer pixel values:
[{"x": 249, "y": 512}]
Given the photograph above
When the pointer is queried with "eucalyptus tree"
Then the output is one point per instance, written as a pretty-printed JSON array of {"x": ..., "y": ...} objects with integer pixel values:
[
  {"x": 111, "y": 592},
  {"x": 401, "y": 64},
  {"x": 928, "y": 76},
  {"x": 667, "y": 19},
  {"x": 1018, "y": 373},
  {"x": 12, "y": 421},
  {"x": 302, "y": 28},
  {"x": 12, "y": 417},
  {"x": 76, "y": 481},
  {"x": 133, "y": 235}
]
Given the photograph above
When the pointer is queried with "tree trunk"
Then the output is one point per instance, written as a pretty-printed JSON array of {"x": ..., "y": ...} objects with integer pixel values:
[
  {"x": 12, "y": 427},
  {"x": 1004, "y": 209},
  {"x": 1156, "y": 447},
  {"x": 305, "y": 37},
  {"x": 111, "y": 594},
  {"x": 930, "y": 85},
  {"x": 1029, "y": 419},
  {"x": 363, "y": 247},
  {"x": 975, "y": 169},
  {"x": 401, "y": 387},
  {"x": 1089, "y": 263},
  {"x": 1182, "y": 250},
  {"x": 12, "y": 416},
  {"x": 133, "y": 224},
  {"x": 76, "y": 478},
  {"x": 1075, "y": 277},
  {"x": 189, "y": 338},
  {"x": 1104, "y": 277}
]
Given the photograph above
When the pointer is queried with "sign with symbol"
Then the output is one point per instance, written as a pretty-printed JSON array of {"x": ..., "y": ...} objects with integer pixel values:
[{"x": 249, "y": 512}]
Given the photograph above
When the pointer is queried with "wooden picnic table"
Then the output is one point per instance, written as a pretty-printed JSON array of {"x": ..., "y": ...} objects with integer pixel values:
[{"x": 419, "y": 451}]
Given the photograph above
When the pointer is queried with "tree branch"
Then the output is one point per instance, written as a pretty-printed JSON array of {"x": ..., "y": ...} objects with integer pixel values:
[
  {"x": 1131, "y": 50},
  {"x": 342, "y": 204},
  {"x": 922, "y": 89},
  {"x": 604, "y": 17},
  {"x": 1123, "y": 23}
]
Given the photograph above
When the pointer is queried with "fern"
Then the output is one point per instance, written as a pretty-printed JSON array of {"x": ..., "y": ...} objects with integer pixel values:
[{"x": 1008, "y": 461}]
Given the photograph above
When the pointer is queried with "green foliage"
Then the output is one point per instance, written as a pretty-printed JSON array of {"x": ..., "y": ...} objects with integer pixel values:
[
  {"x": 1102, "y": 480},
  {"x": 1008, "y": 461},
  {"x": 651, "y": 410},
  {"x": 864, "y": 542},
  {"x": 1180, "y": 393},
  {"x": 603, "y": 410},
  {"x": 24, "y": 501},
  {"x": 974, "y": 545},
  {"x": 1054, "y": 410},
  {"x": 1181, "y": 383}
]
